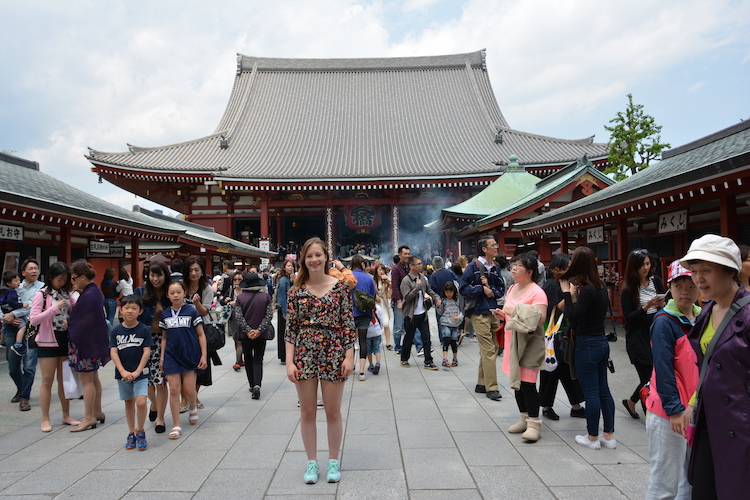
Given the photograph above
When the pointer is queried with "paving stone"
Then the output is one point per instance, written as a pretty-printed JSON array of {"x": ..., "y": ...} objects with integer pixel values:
[
  {"x": 468, "y": 419},
  {"x": 225, "y": 483},
  {"x": 213, "y": 435},
  {"x": 259, "y": 451},
  {"x": 424, "y": 434},
  {"x": 182, "y": 470},
  {"x": 509, "y": 482},
  {"x": 587, "y": 493},
  {"x": 372, "y": 421},
  {"x": 486, "y": 448},
  {"x": 444, "y": 495},
  {"x": 104, "y": 484},
  {"x": 58, "y": 473},
  {"x": 437, "y": 469},
  {"x": 274, "y": 422},
  {"x": 415, "y": 409},
  {"x": 359, "y": 485},
  {"x": 163, "y": 495},
  {"x": 567, "y": 468},
  {"x": 628, "y": 478},
  {"x": 8, "y": 478},
  {"x": 35, "y": 455},
  {"x": 371, "y": 452}
]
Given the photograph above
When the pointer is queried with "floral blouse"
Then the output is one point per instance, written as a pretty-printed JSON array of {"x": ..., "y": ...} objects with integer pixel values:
[{"x": 322, "y": 330}]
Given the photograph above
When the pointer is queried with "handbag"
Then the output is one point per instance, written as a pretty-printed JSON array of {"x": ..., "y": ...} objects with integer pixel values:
[
  {"x": 734, "y": 309},
  {"x": 32, "y": 330},
  {"x": 215, "y": 338},
  {"x": 71, "y": 382},
  {"x": 550, "y": 357},
  {"x": 364, "y": 301}
]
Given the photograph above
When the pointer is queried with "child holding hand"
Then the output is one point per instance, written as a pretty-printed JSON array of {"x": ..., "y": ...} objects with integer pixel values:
[
  {"x": 130, "y": 345},
  {"x": 8, "y": 303},
  {"x": 451, "y": 317}
]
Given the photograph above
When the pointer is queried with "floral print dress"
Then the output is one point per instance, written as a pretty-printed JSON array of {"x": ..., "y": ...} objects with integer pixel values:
[{"x": 322, "y": 330}]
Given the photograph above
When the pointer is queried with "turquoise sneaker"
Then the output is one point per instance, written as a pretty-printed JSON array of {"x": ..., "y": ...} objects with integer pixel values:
[
  {"x": 311, "y": 476},
  {"x": 334, "y": 472}
]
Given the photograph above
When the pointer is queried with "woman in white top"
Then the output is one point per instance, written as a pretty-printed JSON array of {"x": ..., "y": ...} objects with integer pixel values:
[{"x": 124, "y": 283}]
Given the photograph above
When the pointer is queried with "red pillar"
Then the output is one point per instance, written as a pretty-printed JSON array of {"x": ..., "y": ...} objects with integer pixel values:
[
  {"x": 728, "y": 211},
  {"x": 65, "y": 244},
  {"x": 263, "y": 215},
  {"x": 135, "y": 273},
  {"x": 279, "y": 236},
  {"x": 563, "y": 241}
]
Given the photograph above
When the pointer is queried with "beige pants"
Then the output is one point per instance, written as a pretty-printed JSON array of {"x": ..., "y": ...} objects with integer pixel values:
[{"x": 485, "y": 326}]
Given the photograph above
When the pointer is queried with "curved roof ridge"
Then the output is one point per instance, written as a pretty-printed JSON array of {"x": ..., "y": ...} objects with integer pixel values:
[
  {"x": 585, "y": 141},
  {"x": 476, "y": 59},
  {"x": 132, "y": 148}
]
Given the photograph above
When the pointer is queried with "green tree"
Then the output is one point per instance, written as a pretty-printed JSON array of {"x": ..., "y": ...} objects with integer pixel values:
[{"x": 635, "y": 141}]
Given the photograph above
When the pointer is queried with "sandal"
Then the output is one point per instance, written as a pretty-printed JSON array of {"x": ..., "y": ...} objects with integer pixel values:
[
  {"x": 199, "y": 405},
  {"x": 193, "y": 418},
  {"x": 183, "y": 409},
  {"x": 176, "y": 432}
]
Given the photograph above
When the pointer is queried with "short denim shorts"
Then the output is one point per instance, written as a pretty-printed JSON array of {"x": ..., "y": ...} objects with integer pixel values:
[
  {"x": 133, "y": 388},
  {"x": 373, "y": 345}
]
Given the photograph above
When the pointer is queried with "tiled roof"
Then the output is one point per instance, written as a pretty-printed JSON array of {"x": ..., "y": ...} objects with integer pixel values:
[
  {"x": 329, "y": 119},
  {"x": 696, "y": 162},
  {"x": 26, "y": 186}
]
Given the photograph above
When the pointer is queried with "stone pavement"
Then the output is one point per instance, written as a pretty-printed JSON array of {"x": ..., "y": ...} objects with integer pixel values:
[{"x": 409, "y": 433}]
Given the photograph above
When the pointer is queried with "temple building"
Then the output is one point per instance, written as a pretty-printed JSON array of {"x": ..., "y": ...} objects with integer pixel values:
[{"x": 352, "y": 150}]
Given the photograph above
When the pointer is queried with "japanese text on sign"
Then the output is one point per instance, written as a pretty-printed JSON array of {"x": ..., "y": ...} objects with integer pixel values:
[
  {"x": 595, "y": 234},
  {"x": 673, "y": 221},
  {"x": 14, "y": 233}
]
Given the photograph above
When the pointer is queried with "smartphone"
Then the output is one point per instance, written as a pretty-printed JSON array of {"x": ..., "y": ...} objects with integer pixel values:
[
  {"x": 611, "y": 366},
  {"x": 661, "y": 296}
]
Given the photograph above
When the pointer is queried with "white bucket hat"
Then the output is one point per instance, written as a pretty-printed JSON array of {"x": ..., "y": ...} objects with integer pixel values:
[{"x": 716, "y": 249}]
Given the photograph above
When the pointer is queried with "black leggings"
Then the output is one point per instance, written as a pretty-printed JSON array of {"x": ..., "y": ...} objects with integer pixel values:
[
  {"x": 254, "y": 350},
  {"x": 548, "y": 386},
  {"x": 528, "y": 399},
  {"x": 362, "y": 343},
  {"x": 644, "y": 375},
  {"x": 449, "y": 342}
]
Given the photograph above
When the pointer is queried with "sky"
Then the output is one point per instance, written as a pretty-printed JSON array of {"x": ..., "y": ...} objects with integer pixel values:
[{"x": 104, "y": 73}]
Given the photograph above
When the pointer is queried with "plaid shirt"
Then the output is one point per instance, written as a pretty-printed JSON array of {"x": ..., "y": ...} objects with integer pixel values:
[{"x": 398, "y": 273}]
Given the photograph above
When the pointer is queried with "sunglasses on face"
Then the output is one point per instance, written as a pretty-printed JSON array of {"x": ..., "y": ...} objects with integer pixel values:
[{"x": 642, "y": 251}]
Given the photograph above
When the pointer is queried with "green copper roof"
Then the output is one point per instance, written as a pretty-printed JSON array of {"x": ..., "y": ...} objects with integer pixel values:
[
  {"x": 547, "y": 187},
  {"x": 513, "y": 184}
]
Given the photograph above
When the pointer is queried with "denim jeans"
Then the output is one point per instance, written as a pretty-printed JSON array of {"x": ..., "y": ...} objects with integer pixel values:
[
  {"x": 421, "y": 323},
  {"x": 667, "y": 453},
  {"x": 398, "y": 328},
  {"x": 21, "y": 369},
  {"x": 110, "y": 306},
  {"x": 592, "y": 353}
]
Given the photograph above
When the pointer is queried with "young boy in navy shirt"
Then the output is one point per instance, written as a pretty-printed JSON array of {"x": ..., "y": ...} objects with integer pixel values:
[
  {"x": 130, "y": 345},
  {"x": 8, "y": 303}
]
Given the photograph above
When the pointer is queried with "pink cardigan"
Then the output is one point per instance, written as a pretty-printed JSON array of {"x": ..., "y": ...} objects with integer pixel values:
[{"x": 45, "y": 337}]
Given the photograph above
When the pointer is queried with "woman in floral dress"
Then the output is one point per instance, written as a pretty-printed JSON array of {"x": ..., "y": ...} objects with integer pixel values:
[{"x": 320, "y": 340}]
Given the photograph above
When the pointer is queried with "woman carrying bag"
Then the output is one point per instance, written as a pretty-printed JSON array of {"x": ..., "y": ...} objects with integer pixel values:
[{"x": 254, "y": 327}]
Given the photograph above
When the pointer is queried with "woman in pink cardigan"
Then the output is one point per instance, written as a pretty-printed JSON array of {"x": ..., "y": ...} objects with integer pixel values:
[{"x": 49, "y": 311}]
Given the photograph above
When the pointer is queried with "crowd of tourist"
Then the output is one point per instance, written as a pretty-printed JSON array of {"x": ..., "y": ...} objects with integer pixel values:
[{"x": 160, "y": 337}]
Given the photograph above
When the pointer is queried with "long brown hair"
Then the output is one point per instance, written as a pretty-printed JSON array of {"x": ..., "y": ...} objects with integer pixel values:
[
  {"x": 583, "y": 267},
  {"x": 384, "y": 280},
  {"x": 304, "y": 274},
  {"x": 283, "y": 271}
]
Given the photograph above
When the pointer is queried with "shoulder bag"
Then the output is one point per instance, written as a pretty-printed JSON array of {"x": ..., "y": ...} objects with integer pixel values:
[
  {"x": 32, "y": 330},
  {"x": 215, "y": 337}
]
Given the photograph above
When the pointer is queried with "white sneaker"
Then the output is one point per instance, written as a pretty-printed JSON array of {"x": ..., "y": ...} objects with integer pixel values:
[
  {"x": 608, "y": 443},
  {"x": 420, "y": 352},
  {"x": 583, "y": 440},
  {"x": 361, "y": 376}
]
